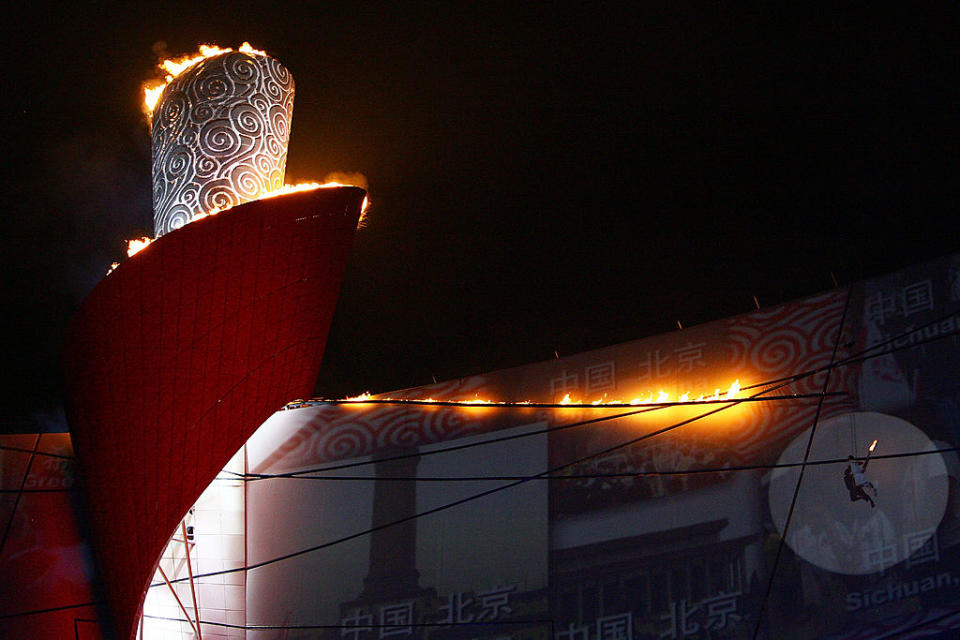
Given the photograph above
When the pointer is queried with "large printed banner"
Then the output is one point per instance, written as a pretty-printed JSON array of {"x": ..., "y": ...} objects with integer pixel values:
[
  {"x": 46, "y": 572},
  {"x": 698, "y": 362},
  {"x": 648, "y": 521}
]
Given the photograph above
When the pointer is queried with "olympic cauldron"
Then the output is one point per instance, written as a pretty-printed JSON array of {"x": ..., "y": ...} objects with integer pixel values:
[{"x": 177, "y": 356}]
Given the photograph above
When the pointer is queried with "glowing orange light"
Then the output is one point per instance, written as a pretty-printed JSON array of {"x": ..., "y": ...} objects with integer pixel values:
[
  {"x": 873, "y": 445},
  {"x": 734, "y": 389},
  {"x": 360, "y": 398},
  {"x": 173, "y": 68},
  {"x": 246, "y": 48},
  {"x": 662, "y": 397},
  {"x": 137, "y": 245}
]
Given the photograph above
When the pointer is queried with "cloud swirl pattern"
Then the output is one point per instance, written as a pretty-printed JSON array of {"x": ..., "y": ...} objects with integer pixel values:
[{"x": 220, "y": 134}]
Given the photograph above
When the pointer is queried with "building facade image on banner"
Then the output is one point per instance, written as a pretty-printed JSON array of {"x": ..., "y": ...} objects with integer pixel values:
[{"x": 646, "y": 521}]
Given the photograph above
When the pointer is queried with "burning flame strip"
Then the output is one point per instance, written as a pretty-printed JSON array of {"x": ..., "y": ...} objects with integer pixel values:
[
  {"x": 173, "y": 68},
  {"x": 732, "y": 393},
  {"x": 309, "y": 186},
  {"x": 292, "y": 188},
  {"x": 137, "y": 245}
]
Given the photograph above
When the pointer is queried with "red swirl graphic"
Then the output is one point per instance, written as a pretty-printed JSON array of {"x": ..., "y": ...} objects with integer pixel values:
[
  {"x": 778, "y": 352},
  {"x": 399, "y": 430},
  {"x": 347, "y": 440},
  {"x": 779, "y": 343}
]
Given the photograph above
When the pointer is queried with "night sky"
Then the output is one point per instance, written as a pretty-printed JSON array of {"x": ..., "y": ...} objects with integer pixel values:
[{"x": 544, "y": 176}]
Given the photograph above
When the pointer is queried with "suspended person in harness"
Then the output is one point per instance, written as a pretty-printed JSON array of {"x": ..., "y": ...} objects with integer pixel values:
[{"x": 856, "y": 482}]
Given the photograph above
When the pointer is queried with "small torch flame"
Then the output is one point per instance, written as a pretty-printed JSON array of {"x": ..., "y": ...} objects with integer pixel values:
[
  {"x": 137, "y": 245},
  {"x": 734, "y": 390},
  {"x": 873, "y": 445},
  {"x": 246, "y": 48}
]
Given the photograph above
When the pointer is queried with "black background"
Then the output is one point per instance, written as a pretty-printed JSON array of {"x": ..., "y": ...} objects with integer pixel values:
[{"x": 544, "y": 176}]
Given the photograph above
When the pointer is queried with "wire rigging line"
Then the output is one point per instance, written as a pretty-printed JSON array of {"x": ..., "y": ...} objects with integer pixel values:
[
  {"x": 895, "y": 632},
  {"x": 359, "y": 627},
  {"x": 480, "y": 494},
  {"x": 803, "y": 467},
  {"x": 469, "y": 445},
  {"x": 626, "y": 474},
  {"x": 550, "y": 473},
  {"x": 860, "y": 356},
  {"x": 38, "y": 453},
  {"x": 782, "y": 383},
  {"x": 865, "y": 354},
  {"x": 36, "y": 612},
  {"x": 16, "y": 502},
  {"x": 920, "y": 625},
  {"x": 853, "y": 434},
  {"x": 478, "y": 404},
  {"x": 402, "y": 456}
]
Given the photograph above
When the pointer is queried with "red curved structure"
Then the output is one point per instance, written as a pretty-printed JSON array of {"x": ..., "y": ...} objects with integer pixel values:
[{"x": 180, "y": 354}]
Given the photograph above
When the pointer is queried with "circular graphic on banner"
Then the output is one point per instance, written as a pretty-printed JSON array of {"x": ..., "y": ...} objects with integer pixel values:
[{"x": 841, "y": 535}]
